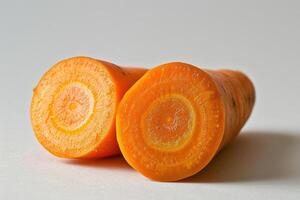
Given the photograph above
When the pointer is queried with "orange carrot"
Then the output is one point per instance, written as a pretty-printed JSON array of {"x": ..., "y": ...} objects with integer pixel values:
[
  {"x": 174, "y": 120},
  {"x": 74, "y": 106}
]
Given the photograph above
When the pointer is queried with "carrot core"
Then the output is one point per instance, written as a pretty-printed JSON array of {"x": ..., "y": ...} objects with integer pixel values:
[
  {"x": 168, "y": 122},
  {"x": 73, "y": 106}
]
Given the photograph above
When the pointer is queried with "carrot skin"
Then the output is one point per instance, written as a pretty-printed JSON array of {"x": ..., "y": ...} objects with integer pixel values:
[{"x": 238, "y": 95}]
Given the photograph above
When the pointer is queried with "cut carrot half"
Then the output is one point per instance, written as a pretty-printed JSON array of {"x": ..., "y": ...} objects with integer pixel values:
[
  {"x": 74, "y": 106},
  {"x": 175, "y": 119}
]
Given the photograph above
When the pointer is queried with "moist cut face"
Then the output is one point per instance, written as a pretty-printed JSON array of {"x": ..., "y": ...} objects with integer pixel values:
[
  {"x": 73, "y": 106},
  {"x": 171, "y": 122}
]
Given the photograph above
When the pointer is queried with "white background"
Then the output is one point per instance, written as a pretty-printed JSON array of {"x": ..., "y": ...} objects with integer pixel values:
[{"x": 261, "y": 38}]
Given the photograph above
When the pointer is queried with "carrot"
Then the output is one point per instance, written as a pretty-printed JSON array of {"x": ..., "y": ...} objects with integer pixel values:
[
  {"x": 74, "y": 106},
  {"x": 174, "y": 120}
]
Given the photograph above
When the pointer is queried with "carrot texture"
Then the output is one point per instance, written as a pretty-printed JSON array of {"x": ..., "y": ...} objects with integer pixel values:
[
  {"x": 173, "y": 121},
  {"x": 74, "y": 106}
]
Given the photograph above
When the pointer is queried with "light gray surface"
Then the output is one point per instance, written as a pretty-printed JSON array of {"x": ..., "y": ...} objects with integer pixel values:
[{"x": 261, "y": 38}]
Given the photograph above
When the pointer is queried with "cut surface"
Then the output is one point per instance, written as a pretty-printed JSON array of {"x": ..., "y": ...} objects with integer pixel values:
[
  {"x": 73, "y": 107},
  {"x": 171, "y": 122}
]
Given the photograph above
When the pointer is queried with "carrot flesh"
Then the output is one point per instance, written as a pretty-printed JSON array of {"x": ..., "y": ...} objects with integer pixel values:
[
  {"x": 74, "y": 106},
  {"x": 173, "y": 121}
]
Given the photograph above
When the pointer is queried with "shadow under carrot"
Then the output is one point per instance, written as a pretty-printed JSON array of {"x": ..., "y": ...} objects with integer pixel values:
[{"x": 254, "y": 156}]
